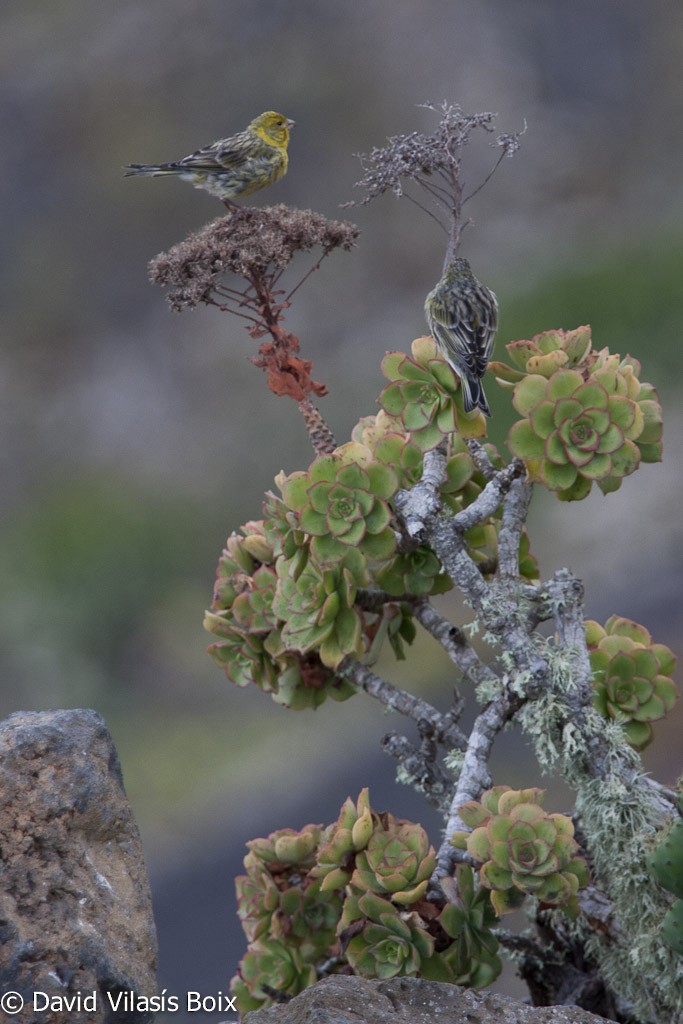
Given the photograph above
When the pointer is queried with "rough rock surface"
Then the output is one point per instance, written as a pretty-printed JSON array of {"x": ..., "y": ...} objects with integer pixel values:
[
  {"x": 75, "y": 909},
  {"x": 347, "y": 1000}
]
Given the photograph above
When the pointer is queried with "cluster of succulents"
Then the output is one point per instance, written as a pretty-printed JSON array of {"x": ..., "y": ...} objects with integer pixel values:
[
  {"x": 666, "y": 864},
  {"x": 285, "y": 611},
  {"x": 631, "y": 676},
  {"x": 289, "y": 923},
  {"x": 351, "y": 898},
  {"x": 587, "y": 417},
  {"x": 522, "y": 850},
  {"x": 249, "y": 645}
]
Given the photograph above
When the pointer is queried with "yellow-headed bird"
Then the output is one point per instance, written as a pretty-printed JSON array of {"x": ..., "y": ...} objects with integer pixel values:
[
  {"x": 237, "y": 166},
  {"x": 462, "y": 315}
]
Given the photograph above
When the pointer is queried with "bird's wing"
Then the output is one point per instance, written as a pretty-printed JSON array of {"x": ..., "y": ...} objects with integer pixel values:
[
  {"x": 224, "y": 154},
  {"x": 486, "y": 330},
  {"x": 452, "y": 328},
  {"x": 459, "y": 324}
]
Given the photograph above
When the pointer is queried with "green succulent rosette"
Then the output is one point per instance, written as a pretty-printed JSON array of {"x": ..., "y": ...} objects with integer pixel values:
[
  {"x": 394, "y": 623},
  {"x": 417, "y": 572},
  {"x": 386, "y": 438},
  {"x": 242, "y": 655},
  {"x": 424, "y": 394},
  {"x": 631, "y": 676},
  {"x": 342, "y": 502},
  {"x": 299, "y": 913},
  {"x": 575, "y": 432},
  {"x": 281, "y": 526},
  {"x": 287, "y": 847},
  {"x": 544, "y": 354},
  {"x": 386, "y": 941},
  {"x": 522, "y": 850},
  {"x": 252, "y": 608},
  {"x": 397, "y": 861},
  {"x": 249, "y": 645},
  {"x": 258, "y": 899},
  {"x": 376, "y": 853},
  {"x": 622, "y": 377},
  {"x": 270, "y": 965},
  {"x": 588, "y": 416},
  {"x": 471, "y": 959},
  {"x": 342, "y": 840},
  {"x": 316, "y": 605}
]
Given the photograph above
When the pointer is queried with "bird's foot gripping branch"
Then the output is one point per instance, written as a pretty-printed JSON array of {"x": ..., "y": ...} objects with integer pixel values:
[{"x": 352, "y": 553}]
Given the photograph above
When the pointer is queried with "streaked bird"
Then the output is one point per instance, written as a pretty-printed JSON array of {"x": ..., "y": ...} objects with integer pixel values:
[
  {"x": 234, "y": 167},
  {"x": 462, "y": 315}
]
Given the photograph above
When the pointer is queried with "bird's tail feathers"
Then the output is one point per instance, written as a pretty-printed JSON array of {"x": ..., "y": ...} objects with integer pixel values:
[
  {"x": 473, "y": 396},
  {"x": 151, "y": 170}
]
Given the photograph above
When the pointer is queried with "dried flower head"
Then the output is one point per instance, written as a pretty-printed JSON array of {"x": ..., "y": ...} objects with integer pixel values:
[
  {"x": 256, "y": 244},
  {"x": 432, "y": 162}
]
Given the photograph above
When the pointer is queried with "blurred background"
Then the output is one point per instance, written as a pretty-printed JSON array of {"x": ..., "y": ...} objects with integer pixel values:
[{"x": 135, "y": 440}]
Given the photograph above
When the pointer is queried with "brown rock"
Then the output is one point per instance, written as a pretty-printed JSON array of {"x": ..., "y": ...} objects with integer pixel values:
[
  {"x": 348, "y": 1000},
  {"x": 75, "y": 910}
]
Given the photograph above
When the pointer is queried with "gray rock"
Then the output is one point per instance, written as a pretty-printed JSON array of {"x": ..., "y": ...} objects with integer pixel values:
[
  {"x": 347, "y": 1000},
  {"x": 76, "y": 921}
]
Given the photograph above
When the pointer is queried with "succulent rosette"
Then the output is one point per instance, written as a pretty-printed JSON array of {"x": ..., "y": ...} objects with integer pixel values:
[
  {"x": 574, "y": 432},
  {"x": 588, "y": 417},
  {"x": 621, "y": 377},
  {"x": 281, "y": 526},
  {"x": 375, "y": 852},
  {"x": 387, "y": 439},
  {"x": 249, "y": 645},
  {"x": 270, "y": 965},
  {"x": 631, "y": 676},
  {"x": 472, "y": 957},
  {"x": 316, "y": 605},
  {"x": 544, "y": 354},
  {"x": 522, "y": 849},
  {"x": 397, "y": 862},
  {"x": 394, "y": 623},
  {"x": 386, "y": 942},
  {"x": 287, "y": 847},
  {"x": 414, "y": 572},
  {"x": 252, "y": 608},
  {"x": 424, "y": 394},
  {"x": 242, "y": 656},
  {"x": 342, "y": 840},
  {"x": 287, "y": 905},
  {"x": 342, "y": 503}
]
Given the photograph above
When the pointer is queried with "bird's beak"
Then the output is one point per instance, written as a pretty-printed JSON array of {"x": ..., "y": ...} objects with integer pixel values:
[{"x": 290, "y": 124}]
